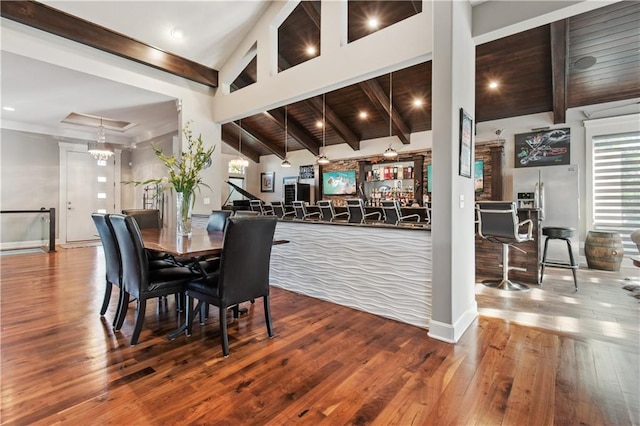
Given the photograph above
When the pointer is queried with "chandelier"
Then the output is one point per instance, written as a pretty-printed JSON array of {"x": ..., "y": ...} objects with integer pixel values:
[
  {"x": 100, "y": 149},
  {"x": 239, "y": 162}
]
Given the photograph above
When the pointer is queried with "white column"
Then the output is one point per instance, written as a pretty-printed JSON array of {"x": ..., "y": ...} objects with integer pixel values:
[{"x": 454, "y": 306}]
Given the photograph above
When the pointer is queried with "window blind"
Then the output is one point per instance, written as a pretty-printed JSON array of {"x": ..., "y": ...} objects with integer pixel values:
[{"x": 616, "y": 185}]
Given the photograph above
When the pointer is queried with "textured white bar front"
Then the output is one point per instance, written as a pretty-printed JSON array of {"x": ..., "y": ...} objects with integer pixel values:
[{"x": 383, "y": 271}]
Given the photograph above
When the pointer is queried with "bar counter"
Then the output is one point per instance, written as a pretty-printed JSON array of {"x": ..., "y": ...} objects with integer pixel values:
[{"x": 381, "y": 269}]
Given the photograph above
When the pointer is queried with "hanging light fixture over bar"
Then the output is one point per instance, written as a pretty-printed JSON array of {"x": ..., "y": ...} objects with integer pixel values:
[
  {"x": 286, "y": 162},
  {"x": 323, "y": 159},
  {"x": 239, "y": 162},
  {"x": 100, "y": 149},
  {"x": 390, "y": 152}
]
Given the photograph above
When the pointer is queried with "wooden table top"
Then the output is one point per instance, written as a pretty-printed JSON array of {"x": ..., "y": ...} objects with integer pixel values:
[{"x": 200, "y": 243}]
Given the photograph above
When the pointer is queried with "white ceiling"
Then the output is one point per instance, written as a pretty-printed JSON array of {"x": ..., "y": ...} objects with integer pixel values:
[{"x": 43, "y": 94}]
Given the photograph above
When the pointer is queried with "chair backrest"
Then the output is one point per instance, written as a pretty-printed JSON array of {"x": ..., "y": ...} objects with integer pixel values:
[
  {"x": 256, "y": 206},
  {"x": 146, "y": 218},
  {"x": 427, "y": 213},
  {"x": 327, "y": 210},
  {"x": 245, "y": 258},
  {"x": 218, "y": 220},
  {"x": 110, "y": 247},
  {"x": 239, "y": 213},
  {"x": 135, "y": 266},
  {"x": 497, "y": 219},
  {"x": 299, "y": 208},
  {"x": 355, "y": 207},
  {"x": 278, "y": 208},
  {"x": 392, "y": 212}
]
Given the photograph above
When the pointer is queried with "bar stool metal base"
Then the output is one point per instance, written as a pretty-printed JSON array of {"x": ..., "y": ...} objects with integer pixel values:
[{"x": 507, "y": 285}]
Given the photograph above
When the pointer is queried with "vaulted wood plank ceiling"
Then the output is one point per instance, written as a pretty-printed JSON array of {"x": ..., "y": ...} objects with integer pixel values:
[{"x": 521, "y": 64}]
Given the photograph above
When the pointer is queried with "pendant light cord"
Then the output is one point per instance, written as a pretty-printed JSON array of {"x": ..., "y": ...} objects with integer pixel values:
[
  {"x": 390, "y": 103},
  {"x": 286, "y": 133},
  {"x": 324, "y": 125}
]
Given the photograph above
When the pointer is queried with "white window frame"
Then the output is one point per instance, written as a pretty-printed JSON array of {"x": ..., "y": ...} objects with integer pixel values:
[{"x": 602, "y": 127}]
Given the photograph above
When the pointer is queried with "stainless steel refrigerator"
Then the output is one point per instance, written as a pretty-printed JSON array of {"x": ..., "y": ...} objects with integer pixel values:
[{"x": 558, "y": 192}]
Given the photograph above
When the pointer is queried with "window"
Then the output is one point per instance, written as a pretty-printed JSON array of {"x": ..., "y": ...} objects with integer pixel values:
[{"x": 616, "y": 185}]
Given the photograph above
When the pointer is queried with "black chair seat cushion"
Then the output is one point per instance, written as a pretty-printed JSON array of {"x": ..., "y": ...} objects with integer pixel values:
[
  {"x": 206, "y": 286},
  {"x": 164, "y": 278},
  {"x": 558, "y": 232}
]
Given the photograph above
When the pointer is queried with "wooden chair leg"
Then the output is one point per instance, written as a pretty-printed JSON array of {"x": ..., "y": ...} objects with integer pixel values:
[
  {"x": 267, "y": 315},
  {"x": 223, "y": 330},
  {"x": 107, "y": 298},
  {"x": 142, "y": 307}
]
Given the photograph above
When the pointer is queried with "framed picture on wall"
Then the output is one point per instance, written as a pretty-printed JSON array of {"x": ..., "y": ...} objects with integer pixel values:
[
  {"x": 543, "y": 148},
  {"x": 466, "y": 142},
  {"x": 266, "y": 181}
]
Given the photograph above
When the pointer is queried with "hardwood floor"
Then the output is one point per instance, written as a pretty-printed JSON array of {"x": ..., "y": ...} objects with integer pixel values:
[{"x": 549, "y": 356}]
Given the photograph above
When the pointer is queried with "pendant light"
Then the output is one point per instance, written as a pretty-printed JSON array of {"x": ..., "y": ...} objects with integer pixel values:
[
  {"x": 100, "y": 149},
  {"x": 286, "y": 162},
  {"x": 390, "y": 152},
  {"x": 240, "y": 162},
  {"x": 323, "y": 159}
]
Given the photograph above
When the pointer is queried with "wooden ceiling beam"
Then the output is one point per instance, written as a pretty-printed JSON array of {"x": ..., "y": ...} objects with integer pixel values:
[
  {"x": 262, "y": 140},
  {"x": 300, "y": 134},
  {"x": 231, "y": 138},
  {"x": 53, "y": 21},
  {"x": 334, "y": 120},
  {"x": 559, "y": 31},
  {"x": 381, "y": 101}
]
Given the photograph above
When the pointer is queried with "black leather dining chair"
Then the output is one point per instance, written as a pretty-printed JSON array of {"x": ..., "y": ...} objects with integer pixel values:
[
  {"x": 138, "y": 280},
  {"x": 113, "y": 265},
  {"x": 243, "y": 273},
  {"x": 218, "y": 220}
]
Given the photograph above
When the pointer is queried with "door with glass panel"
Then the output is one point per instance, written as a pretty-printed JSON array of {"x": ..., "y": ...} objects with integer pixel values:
[{"x": 90, "y": 188}]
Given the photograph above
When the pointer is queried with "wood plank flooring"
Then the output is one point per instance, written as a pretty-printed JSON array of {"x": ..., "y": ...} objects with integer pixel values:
[{"x": 549, "y": 356}]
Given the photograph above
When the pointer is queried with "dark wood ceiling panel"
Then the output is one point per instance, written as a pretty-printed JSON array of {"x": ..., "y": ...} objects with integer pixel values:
[
  {"x": 387, "y": 13},
  {"x": 248, "y": 76},
  {"x": 610, "y": 38},
  {"x": 521, "y": 64},
  {"x": 348, "y": 102},
  {"x": 298, "y": 32},
  {"x": 230, "y": 137}
]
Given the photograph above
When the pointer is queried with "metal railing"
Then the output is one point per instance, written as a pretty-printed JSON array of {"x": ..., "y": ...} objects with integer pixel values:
[{"x": 52, "y": 223}]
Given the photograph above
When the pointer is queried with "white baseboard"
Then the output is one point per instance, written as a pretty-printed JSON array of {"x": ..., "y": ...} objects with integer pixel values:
[{"x": 451, "y": 333}]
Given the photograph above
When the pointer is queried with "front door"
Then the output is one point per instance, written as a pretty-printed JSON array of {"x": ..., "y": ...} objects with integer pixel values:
[{"x": 90, "y": 189}]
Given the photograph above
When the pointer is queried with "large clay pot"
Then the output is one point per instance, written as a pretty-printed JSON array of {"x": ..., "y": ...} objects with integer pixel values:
[{"x": 603, "y": 250}]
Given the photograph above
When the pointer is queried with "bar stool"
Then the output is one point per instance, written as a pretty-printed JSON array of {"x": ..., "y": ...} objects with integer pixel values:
[{"x": 559, "y": 233}]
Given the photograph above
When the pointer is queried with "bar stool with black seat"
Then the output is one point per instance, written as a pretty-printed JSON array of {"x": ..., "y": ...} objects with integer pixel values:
[
  {"x": 300, "y": 207},
  {"x": 563, "y": 234},
  {"x": 393, "y": 213},
  {"x": 329, "y": 212},
  {"x": 260, "y": 207},
  {"x": 498, "y": 223},
  {"x": 280, "y": 211},
  {"x": 355, "y": 207}
]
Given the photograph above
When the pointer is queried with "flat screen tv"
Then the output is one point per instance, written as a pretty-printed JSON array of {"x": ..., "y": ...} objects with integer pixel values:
[
  {"x": 478, "y": 176},
  {"x": 339, "y": 183}
]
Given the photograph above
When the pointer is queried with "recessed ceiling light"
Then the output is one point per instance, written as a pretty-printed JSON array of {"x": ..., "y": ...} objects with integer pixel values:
[
  {"x": 585, "y": 62},
  {"x": 319, "y": 124},
  {"x": 373, "y": 23},
  {"x": 363, "y": 114},
  {"x": 493, "y": 84},
  {"x": 8, "y": 108},
  {"x": 311, "y": 50},
  {"x": 177, "y": 33},
  {"x": 418, "y": 102}
]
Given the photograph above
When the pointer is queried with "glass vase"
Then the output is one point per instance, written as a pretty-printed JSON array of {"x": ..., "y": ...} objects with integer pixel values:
[{"x": 184, "y": 210}]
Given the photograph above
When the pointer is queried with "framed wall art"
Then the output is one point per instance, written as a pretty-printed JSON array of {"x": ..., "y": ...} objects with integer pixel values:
[
  {"x": 466, "y": 143},
  {"x": 266, "y": 181},
  {"x": 543, "y": 148}
]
